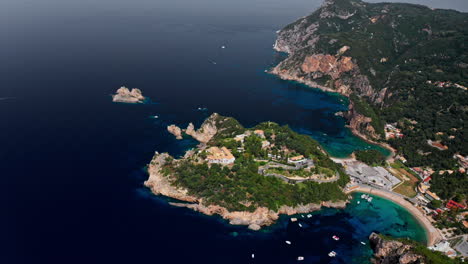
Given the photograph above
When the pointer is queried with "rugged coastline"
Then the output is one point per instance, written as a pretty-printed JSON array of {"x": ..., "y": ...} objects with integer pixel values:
[
  {"x": 248, "y": 145},
  {"x": 161, "y": 184}
]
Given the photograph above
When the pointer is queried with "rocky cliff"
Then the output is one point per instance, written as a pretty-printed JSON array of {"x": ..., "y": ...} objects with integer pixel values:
[
  {"x": 354, "y": 47},
  {"x": 212, "y": 126},
  {"x": 161, "y": 184},
  {"x": 392, "y": 251},
  {"x": 124, "y": 95}
]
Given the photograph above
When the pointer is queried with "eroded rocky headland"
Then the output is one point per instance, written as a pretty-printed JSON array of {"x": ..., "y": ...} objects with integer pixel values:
[
  {"x": 124, "y": 95},
  {"x": 340, "y": 48},
  {"x": 222, "y": 176},
  {"x": 402, "y": 251}
]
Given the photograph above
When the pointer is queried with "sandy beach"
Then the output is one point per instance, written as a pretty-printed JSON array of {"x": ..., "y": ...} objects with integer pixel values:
[{"x": 433, "y": 235}]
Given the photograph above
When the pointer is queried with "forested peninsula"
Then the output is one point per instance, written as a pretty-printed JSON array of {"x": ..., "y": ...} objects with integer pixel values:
[{"x": 248, "y": 175}]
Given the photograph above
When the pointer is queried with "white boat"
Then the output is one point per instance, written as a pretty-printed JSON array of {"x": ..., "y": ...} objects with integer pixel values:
[
  {"x": 288, "y": 242},
  {"x": 369, "y": 199},
  {"x": 300, "y": 258},
  {"x": 253, "y": 255},
  {"x": 293, "y": 219},
  {"x": 358, "y": 202},
  {"x": 363, "y": 243},
  {"x": 363, "y": 195},
  {"x": 155, "y": 116},
  {"x": 223, "y": 47},
  {"x": 302, "y": 216},
  {"x": 332, "y": 254},
  {"x": 300, "y": 225},
  {"x": 336, "y": 238},
  {"x": 309, "y": 216}
]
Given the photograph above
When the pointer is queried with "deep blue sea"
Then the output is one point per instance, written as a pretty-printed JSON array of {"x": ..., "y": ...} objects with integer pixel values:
[{"x": 72, "y": 162}]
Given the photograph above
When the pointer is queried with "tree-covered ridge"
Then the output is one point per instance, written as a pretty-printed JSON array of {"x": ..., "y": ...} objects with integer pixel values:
[
  {"x": 416, "y": 62},
  {"x": 427, "y": 256},
  {"x": 239, "y": 186}
]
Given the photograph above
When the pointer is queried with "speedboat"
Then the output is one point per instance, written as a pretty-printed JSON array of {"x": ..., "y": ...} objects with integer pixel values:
[
  {"x": 336, "y": 238},
  {"x": 332, "y": 254},
  {"x": 288, "y": 242},
  {"x": 300, "y": 258},
  {"x": 363, "y": 243},
  {"x": 309, "y": 216},
  {"x": 300, "y": 225},
  {"x": 253, "y": 255},
  {"x": 155, "y": 116}
]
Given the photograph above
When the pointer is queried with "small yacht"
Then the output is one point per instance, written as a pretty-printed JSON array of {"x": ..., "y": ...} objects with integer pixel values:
[
  {"x": 358, "y": 202},
  {"x": 332, "y": 254},
  {"x": 300, "y": 258},
  {"x": 288, "y": 242},
  {"x": 309, "y": 216},
  {"x": 300, "y": 225},
  {"x": 253, "y": 255},
  {"x": 223, "y": 47},
  {"x": 336, "y": 238},
  {"x": 155, "y": 116},
  {"x": 293, "y": 219},
  {"x": 369, "y": 199},
  {"x": 363, "y": 195},
  {"x": 363, "y": 243}
]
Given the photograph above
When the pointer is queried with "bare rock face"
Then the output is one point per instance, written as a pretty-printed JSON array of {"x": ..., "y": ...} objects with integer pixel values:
[
  {"x": 392, "y": 252},
  {"x": 360, "y": 124},
  {"x": 175, "y": 130},
  {"x": 327, "y": 64},
  {"x": 161, "y": 184},
  {"x": 124, "y": 95}
]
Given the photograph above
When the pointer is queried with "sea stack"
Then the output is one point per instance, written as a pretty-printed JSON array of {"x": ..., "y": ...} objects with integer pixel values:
[{"x": 124, "y": 95}]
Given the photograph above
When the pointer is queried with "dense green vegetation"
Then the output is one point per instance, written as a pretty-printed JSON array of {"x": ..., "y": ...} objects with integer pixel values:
[
  {"x": 371, "y": 157},
  {"x": 430, "y": 257},
  {"x": 416, "y": 60},
  {"x": 451, "y": 186},
  {"x": 241, "y": 187},
  {"x": 235, "y": 188}
]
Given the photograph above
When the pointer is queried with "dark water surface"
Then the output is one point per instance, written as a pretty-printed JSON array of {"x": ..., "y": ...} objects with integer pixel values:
[{"x": 71, "y": 161}]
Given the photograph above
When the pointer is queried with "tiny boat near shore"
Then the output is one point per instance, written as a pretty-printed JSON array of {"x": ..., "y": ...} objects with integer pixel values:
[
  {"x": 332, "y": 254},
  {"x": 300, "y": 225},
  {"x": 293, "y": 219},
  {"x": 288, "y": 242},
  {"x": 300, "y": 258},
  {"x": 336, "y": 238},
  {"x": 309, "y": 216},
  {"x": 363, "y": 243}
]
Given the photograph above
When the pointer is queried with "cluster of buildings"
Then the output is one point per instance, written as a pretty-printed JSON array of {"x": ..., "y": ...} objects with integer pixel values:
[
  {"x": 423, "y": 173},
  {"x": 392, "y": 132},
  {"x": 462, "y": 161},
  {"x": 447, "y": 85}
]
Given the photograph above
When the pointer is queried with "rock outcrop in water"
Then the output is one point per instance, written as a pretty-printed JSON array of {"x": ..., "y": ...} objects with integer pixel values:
[
  {"x": 124, "y": 95},
  {"x": 175, "y": 130}
]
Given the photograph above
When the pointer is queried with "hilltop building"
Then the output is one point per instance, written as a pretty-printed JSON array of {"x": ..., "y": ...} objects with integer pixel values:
[{"x": 220, "y": 155}]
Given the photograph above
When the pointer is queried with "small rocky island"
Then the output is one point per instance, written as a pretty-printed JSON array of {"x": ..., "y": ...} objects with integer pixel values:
[
  {"x": 124, "y": 95},
  {"x": 248, "y": 175}
]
